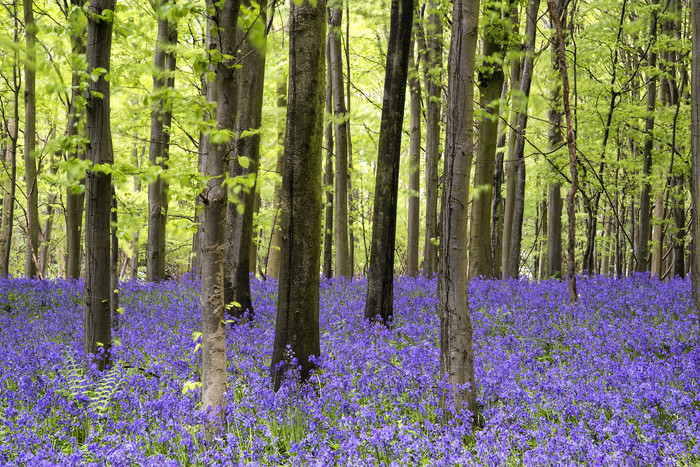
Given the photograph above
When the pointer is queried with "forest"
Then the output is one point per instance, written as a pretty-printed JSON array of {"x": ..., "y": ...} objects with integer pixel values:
[{"x": 405, "y": 232}]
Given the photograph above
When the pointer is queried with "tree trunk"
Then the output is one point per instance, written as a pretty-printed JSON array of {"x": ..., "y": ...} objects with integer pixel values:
[
  {"x": 380, "y": 285},
  {"x": 114, "y": 262},
  {"x": 273, "y": 255},
  {"x": 45, "y": 256},
  {"x": 490, "y": 82},
  {"x": 456, "y": 347},
  {"x": 414, "y": 165},
  {"x": 497, "y": 201},
  {"x": 519, "y": 150},
  {"x": 31, "y": 258},
  {"x": 645, "y": 198},
  {"x": 244, "y": 166},
  {"x": 253, "y": 253},
  {"x": 328, "y": 174},
  {"x": 223, "y": 42},
  {"x": 161, "y": 118},
  {"x": 297, "y": 332},
  {"x": 573, "y": 169},
  {"x": 8, "y": 199},
  {"x": 657, "y": 238},
  {"x": 695, "y": 158},
  {"x": 509, "y": 165},
  {"x": 135, "y": 241},
  {"x": 75, "y": 197},
  {"x": 98, "y": 186},
  {"x": 432, "y": 77},
  {"x": 343, "y": 267}
]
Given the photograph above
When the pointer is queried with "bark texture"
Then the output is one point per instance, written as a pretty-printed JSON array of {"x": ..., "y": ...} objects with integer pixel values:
[
  {"x": 328, "y": 172},
  {"x": 380, "y": 284},
  {"x": 413, "y": 167},
  {"x": 297, "y": 338},
  {"x": 273, "y": 255},
  {"x": 695, "y": 158},
  {"x": 239, "y": 220},
  {"x": 456, "y": 347},
  {"x": 98, "y": 187},
  {"x": 223, "y": 40},
  {"x": 158, "y": 152},
  {"x": 31, "y": 257}
]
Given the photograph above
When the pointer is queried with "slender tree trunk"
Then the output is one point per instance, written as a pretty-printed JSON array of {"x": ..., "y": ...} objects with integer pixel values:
[
  {"x": 244, "y": 164},
  {"x": 343, "y": 266},
  {"x": 490, "y": 82},
  {"x": 456, "y": 347},
  {"x": 31, "y": 259},
  {"x": 519, "y": 150},
  {"x": 45, "y": 256},
  {"x": 161, "y": 118},
  {"x": 114, "y": 262},
  {"x": 695, "y": 158},
  {"x": 573, "y": 169},
  {"x": 432, "y": 66},
  {"x": 98, "y": 186},
  {"x": 657, "y": 238},
  {"x": 75, "y": 198},
  {"x": 8, "y": 199},
  {"x": 509, "y": 165},
  {"x": 223, "y": 41},
  {"x": 297, "y": 332},
  {"x": 414, "y": 165},
  {"x": 253, "y": 253},
  {"x": 135, "y": 241},
  {"x": 497, "y": 201},
  {"x": 328, "y": 173},
  {"x": 380, "y": 285},
  {"x": 645, "y": 198},
  {"x": 273, "y": 255}
]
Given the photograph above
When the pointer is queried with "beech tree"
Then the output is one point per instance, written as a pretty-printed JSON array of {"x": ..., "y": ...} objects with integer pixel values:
[
  {"x": 158, "y": 153},
  {"x": 222, "y": 46},
  {"x": 695, "y": 145},
  {"x": 456, "y": 348},
  {"x": 98, "y": 184},
  {"x": 31, "y": 257},
  {"x": 297, "y": 334},
  {"x": 380, "y": 285}
]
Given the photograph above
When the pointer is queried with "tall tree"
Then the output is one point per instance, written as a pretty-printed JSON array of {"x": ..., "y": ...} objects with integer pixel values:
[
  {"x": 432, "y": 72},
  {"x": 695, "y": 158},
  {"x": 98, "y": 185},
  {"x": 519, "y": 149},
  {"x": 343, "y": 266},
  {"x": 645, "y": 198},
  {"x": 573, "y": 160},
  {"x": 75, "y": 197},
  {"x": 380, "y": 284},
  {"x": 490, "y": 82},
  {"x": 328, "y": 171},
  {"x": 243, "y": 166},
  {"x": 297, "y": 333},
  {"x": 456, "y": 347},
  {"x": 272, "y": 268},
  {"x": 158, "y": 151},
  {"x": 222, "y": 46},
  {"x": 31, "y": 257},
  {"x": 414, "y": 163}
]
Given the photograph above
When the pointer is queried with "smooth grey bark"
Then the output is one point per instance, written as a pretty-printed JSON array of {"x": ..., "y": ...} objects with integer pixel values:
[
  {"x": 695, "y": 154},
  {"x": 273, "y": 255},
  {"x": 328, "y": 173},
  {"x": 158, "y": 151},
  {"x": 380, "y": 285},
  {"x": 645, "y": 198},
  {"x": 9, "y": 187},
  {"x": 239, "y": 219},
  {"x": 98, "y": 188},
  {"x": 75, "y": 197},
  {"x": 432, "y": 82},
  {"x": 456, "y": 346},
  {"x": 297, "y": 332},
  {"x": 490, "y": 82},
  {"x": 137, "y": 188},
  {"x": 571, "y": 145},
  {"x": 414, "y": 164},
  {"x": 45, "y": 248},
  {"x": 114, "y": 262},
  {"x": 253, "y": 250},
  {"x": 343, "y": 265},
  {"x": 223, "y": 43},
  {"x": 509, "y": 163},
  {"x": 519, "y": 149},
  {"x": 31, "y": 257},
  {"x": 497, "y": 201}
]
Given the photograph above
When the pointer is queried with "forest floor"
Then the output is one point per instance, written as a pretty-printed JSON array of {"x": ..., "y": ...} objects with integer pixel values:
[{"x": 612, "y": 381}]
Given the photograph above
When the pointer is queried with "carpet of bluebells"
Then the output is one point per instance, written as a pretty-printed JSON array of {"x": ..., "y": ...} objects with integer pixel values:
[{"x": 612, "y": 381}]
